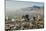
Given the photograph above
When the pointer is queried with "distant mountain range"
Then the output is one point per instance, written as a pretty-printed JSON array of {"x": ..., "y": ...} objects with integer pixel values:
[{"x": 31, "y": 8}]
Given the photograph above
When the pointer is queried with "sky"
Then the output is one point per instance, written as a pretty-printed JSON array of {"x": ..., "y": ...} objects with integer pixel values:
[
  {"x": 16, "y": 5},
  {"x": 13, "y": 8}
]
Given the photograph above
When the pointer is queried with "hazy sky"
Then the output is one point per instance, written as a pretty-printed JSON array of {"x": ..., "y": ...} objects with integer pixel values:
[{"x": 13, "y": 5}]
